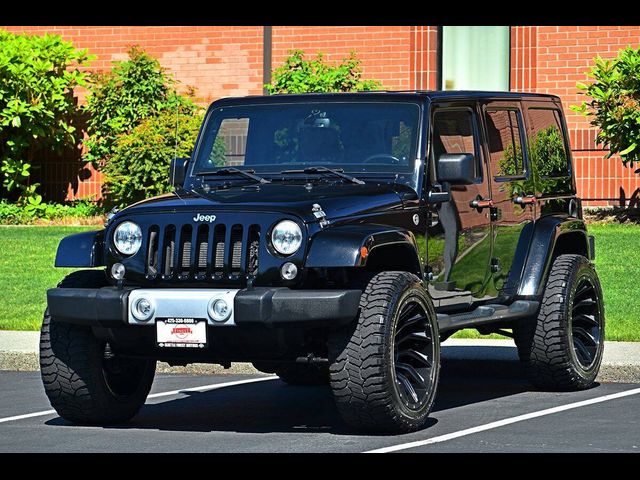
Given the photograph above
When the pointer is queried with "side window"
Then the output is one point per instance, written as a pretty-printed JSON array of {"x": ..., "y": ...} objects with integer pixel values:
[
  {"x": 505, "y": 146},
  {"x": 229, "y": 147},
  {"x": 454, "y": 132},
  {"x": 547, "y": 149}
]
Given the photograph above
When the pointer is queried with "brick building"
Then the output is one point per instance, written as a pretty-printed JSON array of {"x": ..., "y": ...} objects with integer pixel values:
[{"x": 227, "y": 61}]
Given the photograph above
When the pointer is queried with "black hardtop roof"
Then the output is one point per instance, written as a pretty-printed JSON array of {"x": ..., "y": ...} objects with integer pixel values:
[{"x": 383, "y": 95}]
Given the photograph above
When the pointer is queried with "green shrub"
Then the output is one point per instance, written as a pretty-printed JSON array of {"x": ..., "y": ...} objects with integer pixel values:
[
  {"x": 14, "y": 214},
  {"x": 120, "y": 99},
  {"x": 615, "y": 104},
  {"x": 298, "y": 75},
  {"x": 139, "y": 166},
  {"x": 38, "y": 75}
]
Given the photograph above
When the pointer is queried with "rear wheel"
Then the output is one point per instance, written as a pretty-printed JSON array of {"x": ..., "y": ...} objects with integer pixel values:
[
  {"x": 384, "y": 368},
  {"x": 562, "y": 348},
  {"x": 84, "y": 385}
]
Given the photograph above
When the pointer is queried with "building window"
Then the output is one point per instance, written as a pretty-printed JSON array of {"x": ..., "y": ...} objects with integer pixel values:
[{"x": 475, "y": 58}]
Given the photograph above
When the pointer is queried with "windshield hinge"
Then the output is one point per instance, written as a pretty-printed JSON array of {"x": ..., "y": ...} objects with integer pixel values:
[{"x": 320, "y": 215}]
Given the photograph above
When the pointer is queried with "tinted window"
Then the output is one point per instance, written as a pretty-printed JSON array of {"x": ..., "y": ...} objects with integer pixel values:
[
  {"x": 546, "y": 143},
  {"x": 357, "y": 137},
  {"x": 505, "y": 147},
  {"x": 453, "y": 133}
]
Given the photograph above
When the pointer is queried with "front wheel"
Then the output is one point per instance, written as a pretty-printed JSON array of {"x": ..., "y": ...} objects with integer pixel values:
[
  {"x": 84, "y": 385},
  {"x": 384, "y": 368},
  {"x": 562, "y": 348}
]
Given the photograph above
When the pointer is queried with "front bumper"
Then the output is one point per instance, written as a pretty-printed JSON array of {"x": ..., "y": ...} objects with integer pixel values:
[{"x": 274, "y": 307}]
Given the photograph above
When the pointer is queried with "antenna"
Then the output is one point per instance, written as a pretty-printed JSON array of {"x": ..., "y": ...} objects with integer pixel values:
[{"x": 175, "y": 152}]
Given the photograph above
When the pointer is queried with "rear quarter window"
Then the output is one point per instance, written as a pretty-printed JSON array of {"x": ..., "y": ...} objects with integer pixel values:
[{"x": 546, "y": 143}]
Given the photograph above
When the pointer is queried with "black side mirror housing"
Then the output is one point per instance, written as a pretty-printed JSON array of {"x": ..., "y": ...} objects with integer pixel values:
[
  {"x": 178, "y": 171},
  {"x": 456, "y": 169}
]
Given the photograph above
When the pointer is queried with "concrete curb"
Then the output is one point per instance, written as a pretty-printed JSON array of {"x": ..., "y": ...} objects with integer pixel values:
[{"x": 621, "y": 363}]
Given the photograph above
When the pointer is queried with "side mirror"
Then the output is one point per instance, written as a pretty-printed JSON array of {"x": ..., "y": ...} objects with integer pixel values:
[
  {"x": 456, "y": 169},
  {"x": 178, "y": 171}
]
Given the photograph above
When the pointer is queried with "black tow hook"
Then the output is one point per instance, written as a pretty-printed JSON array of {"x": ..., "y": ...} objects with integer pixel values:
[{"x": 311, "y": 359}]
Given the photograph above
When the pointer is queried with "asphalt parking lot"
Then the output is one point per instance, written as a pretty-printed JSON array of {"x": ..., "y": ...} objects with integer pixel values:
[{"x": 475, "y": 411}]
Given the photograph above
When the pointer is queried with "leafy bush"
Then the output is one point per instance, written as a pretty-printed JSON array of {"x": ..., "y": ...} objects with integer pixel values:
[
  {"x": 139, "y": 166},
  {"x": 615, "y": 104},
  {"x": 14, "y": 214},
  {"x": 37, "y": 77},
  {"x": 120, "y": 99},
  {"x": 298, "y": 75}
]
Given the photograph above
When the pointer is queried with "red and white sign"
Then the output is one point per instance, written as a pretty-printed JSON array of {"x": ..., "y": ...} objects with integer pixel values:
[{"x": 181, "y": 332}]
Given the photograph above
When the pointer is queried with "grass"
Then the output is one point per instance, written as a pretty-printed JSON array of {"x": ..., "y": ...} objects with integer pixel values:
[
  {"x": 27, "y": 271},
  {"x": 27, "y": 255},
  {"x": 618, "y": 265}
]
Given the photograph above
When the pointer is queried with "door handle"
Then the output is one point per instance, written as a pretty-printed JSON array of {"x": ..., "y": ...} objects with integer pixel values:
[
  {"x": 479, "y": 203},
  {"x": 526, "y": 200}
]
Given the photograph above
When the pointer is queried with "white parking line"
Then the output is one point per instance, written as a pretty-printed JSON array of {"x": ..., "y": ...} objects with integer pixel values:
[
  {"x": 506, "y": 421},
  {"x": 27, "y": 415},
  {"x": 213, "y": 386}
]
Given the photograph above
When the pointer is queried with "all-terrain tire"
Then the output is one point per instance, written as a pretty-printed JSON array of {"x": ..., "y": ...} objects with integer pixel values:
[
  {"x": 562, "y": 348},
  {"x": 296, "y": 374},
  {"x": 81, "y": 385},
  {"x": 364, "y": 361}
]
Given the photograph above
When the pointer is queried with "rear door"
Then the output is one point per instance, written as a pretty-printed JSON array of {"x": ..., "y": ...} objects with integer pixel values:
[
  {"x": 512, "y": 189},
  {"x": 459, "y": 239}
]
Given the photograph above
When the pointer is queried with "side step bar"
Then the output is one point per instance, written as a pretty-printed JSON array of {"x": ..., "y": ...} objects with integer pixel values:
[{"x": 486, "y": 314}]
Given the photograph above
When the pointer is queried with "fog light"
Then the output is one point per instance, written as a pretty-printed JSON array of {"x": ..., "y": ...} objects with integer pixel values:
[
  {"x": 219, "y": 310},
  {"x": 118, "y": 271},
  {"x": 143, "y": 309},
  {"x": 289, "y": 271}
]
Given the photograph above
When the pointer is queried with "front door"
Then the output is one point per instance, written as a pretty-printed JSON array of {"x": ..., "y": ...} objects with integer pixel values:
[
  {"x": 512, "y": 190},
  {"x": 459, "y": 238}
]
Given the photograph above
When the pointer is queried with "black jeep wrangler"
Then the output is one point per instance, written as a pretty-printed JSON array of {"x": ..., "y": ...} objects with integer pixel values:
[{"x": 337, "y": 239}]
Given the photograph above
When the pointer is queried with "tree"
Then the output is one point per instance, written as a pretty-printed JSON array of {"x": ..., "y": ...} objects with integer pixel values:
[
  {"x": 122, "y": 98},
  {"x": 38, "y": 75},
  {"x": 615, "y": 104},
  {"x": 298, "y": 75}
]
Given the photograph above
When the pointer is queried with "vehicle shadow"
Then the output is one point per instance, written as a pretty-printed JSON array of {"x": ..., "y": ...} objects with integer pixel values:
[{"x": 273, "y": 406}]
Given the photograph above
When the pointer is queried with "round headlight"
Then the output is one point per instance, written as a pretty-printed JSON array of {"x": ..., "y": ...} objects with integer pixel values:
[
  {"x": 127, "y": 238},
  {"x": 286, "y": 237}
]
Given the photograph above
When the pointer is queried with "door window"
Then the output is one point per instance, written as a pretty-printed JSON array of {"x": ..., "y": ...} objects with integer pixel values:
[
  {"x": 454, "y": 133},
  {"x": 505, "y": 146}
]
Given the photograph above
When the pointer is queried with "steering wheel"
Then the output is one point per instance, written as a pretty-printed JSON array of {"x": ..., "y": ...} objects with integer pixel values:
[{"x": 390, "y": 158}]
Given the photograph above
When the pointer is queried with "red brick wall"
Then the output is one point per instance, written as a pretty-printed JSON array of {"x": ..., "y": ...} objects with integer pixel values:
[
  {"x": 564, "y": 56},
  {"x": 227, "y": 61}
]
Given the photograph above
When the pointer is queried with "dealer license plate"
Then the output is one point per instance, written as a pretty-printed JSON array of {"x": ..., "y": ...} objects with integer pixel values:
[{"x": 181, "y": 332}]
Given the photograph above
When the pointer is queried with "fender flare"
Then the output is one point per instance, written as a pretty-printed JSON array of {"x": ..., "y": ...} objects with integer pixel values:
[
  {"x": 547, "y": 232},
  {"x": 341, "y": 246},
  {"x": 81, "y": 250}
]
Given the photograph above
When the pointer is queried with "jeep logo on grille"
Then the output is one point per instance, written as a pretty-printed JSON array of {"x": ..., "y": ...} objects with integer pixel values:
[{"x": 204, "y": 218}]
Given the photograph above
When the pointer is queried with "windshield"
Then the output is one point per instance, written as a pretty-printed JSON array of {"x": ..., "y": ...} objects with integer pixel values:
[{"x": 355, "y": 137}]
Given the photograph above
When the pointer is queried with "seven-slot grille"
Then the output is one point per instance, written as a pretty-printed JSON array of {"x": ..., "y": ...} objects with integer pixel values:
[{"x": 202, "y": 251}]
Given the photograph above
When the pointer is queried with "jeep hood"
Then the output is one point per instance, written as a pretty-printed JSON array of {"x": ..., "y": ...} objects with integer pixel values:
[{"x": 336, "y": 200}]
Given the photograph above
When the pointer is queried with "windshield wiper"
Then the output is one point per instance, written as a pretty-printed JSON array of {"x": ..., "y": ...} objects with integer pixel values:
[
  {"x": 336, "y": 172},
  {"x": 235, "y": 171}
]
